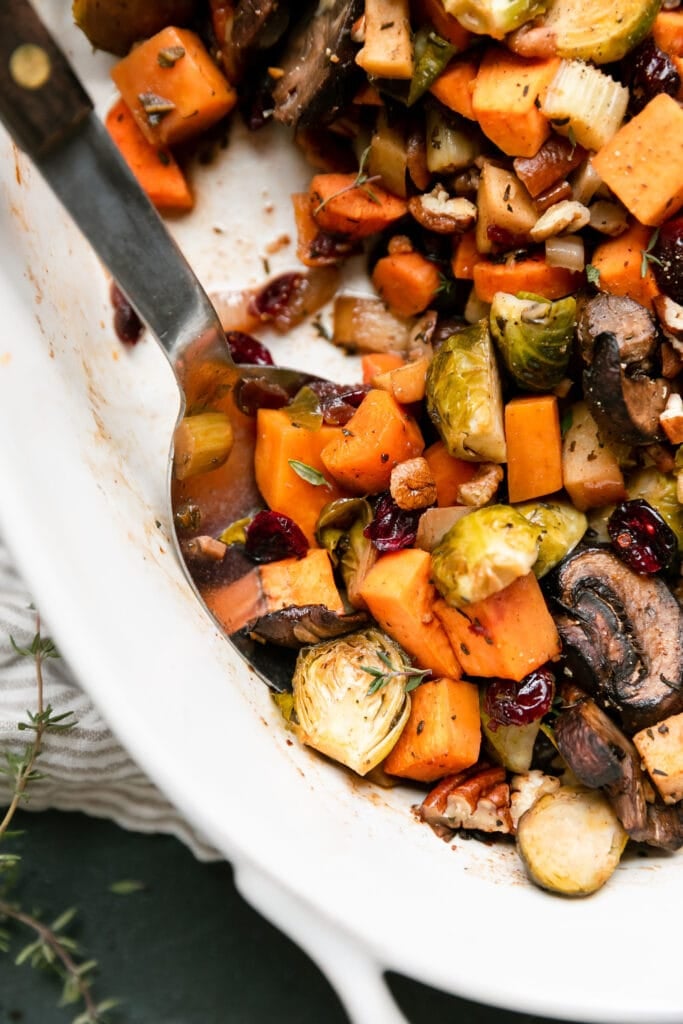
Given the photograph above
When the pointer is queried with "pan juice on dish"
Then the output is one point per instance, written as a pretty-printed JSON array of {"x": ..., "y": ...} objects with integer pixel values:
[{"x": 469, "y": 559}]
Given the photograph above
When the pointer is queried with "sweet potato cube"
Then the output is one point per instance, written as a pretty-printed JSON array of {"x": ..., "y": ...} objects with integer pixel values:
[
  {"x": 508, "y": 634},
  {"x": 661, "y": 749},
  {"x": 155, "y": 167},
  {"x": 399, "y": 594},
  {"x": 379, "y": 435},
  {"x": 619, "y": 263},
  {"x": 534, "y": 445},
  {"x": 667, "y": 32},
  {"x": 443, "y": 732},
  {"x": 291, "y": 582},
  {"x": 455, "y": 85},
  {"x": 449, "y": 473},
  {"x": 504, "y": 100},
  {"x": 279, "y": 442},
  {"x": 173, "y": 87},
  {"x": 643, "y": 162}
]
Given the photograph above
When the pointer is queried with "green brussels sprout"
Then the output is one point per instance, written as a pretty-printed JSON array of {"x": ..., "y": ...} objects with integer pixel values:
[
  {"x": 336, "y": 712},
  {"x": 463, "y": 395},
  {"x": 660, "y": 490},
  {"x": 114, "y": 25},
  {"x": 534, "y": 337},
  {"x": 493, "y": 17},
  {"x": 340, "y": 529},
  {"x": 483, "y": 553},
  {"x": 562, "y": 526}
]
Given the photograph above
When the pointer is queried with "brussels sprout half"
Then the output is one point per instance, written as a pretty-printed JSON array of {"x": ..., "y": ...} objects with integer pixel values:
[
  {"x": 534, "y": 336},
  {"x": 562, "y": 526},
  {"x": 336, "y": 713},
  {"x": 483, "y": 553}
]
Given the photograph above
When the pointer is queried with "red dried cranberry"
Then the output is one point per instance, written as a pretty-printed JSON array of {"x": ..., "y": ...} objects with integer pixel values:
[
  {"x": 272, "y": 536},
  {"x": 127, "y": 323},
  {"x": 247, "y": 350},
  {"x": 641, "y": 537},
  {"x": 254, "y": 393},
  {"x": 510, "y": 703},
  {"x": 338, "y": 402},
  {"x": 280, "y": 300},
  {"x": 647, "y": 71},
  {"x": 668, "y": 263},
  {"x": 392, "y": 528}
]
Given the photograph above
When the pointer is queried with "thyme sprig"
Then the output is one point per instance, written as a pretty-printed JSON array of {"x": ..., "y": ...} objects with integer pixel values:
[
  {"x": 413, "y": 676},
  {"x": 361, "y": 181},
  {"x": 647, "y": 254},
  {"x": 51, "y": 947}
]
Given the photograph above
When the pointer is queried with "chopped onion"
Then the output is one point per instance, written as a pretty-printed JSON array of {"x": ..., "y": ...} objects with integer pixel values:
[{"x": 565, "y": 251}]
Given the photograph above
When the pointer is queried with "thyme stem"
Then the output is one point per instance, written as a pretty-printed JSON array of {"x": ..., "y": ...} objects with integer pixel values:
[
  {"x": 49, "y": 938},
  {"x": 35, "y": 748}
]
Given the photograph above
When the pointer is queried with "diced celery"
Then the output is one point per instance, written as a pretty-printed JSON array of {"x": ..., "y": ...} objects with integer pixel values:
[{"x": 585, "y": 104}]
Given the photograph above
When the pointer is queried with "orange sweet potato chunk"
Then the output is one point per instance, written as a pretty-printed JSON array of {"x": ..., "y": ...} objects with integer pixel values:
[
  {"x": 279, "y": 441},
  {"x": 643, "y": 162},
  {"x": 174, "y": 66},
  {"x": 442, "y": 734},
  {"x": 379, "y": 435},
  {"x": 399, "y": 594},
  {"x": 449, "y": 473},
  {"x": 508, "y": 634}
]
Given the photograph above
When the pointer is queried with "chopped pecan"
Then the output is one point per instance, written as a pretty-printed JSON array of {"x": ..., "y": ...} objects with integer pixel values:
[
  {"x": 412, "y": 484},
  {"x": 482, "y": 487},
  {"x": 438, "y": 212},
  {"x": 477, "y": 798},
  {"x": 205, "y": 549},
  {"x": 565, "y": 216}
]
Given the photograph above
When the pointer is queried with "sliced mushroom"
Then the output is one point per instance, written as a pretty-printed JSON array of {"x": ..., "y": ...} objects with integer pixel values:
[
  {"x": 318, "y": 65},
  {"x": 307, "y": 624},
  {"x": 624, "y": 400},
  {"x": 623, "y": 637},
  {"x": 602, "y": 757},
  {"x": 631, "y": 323},
  {"x": 253, "y": 26}
]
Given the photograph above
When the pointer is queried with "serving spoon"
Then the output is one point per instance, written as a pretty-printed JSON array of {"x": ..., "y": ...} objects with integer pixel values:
[{"x": 51, "y": 118}]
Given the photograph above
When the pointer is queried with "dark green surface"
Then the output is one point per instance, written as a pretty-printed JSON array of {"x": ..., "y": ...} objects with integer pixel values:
[{"x": 185, "y": 950}]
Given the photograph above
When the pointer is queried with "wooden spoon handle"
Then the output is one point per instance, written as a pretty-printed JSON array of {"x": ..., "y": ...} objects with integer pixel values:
[{"x": 41, "y": 100}]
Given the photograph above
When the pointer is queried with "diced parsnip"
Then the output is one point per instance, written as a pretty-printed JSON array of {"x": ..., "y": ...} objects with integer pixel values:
[
  {"x": 585, "y": 104},
  {"x": 451, "y": 144},
  {"x": 590, "y": 469},
  {"x": 202, "y": 443},
  {"x": 493, "y": 17},
  {"x": 503, "y": 203},
  {"x": 571, "y": 841},
  {"x": 661, "y": 749},
  {"x": 388, "y": 158},
  {"x": 363, "y": 324},
  {"x": 435, "y": 522},
  {"x": 387, "y": 50},
  {"x": 565, "y": 251},
  {"x": 406, "y": 383}
]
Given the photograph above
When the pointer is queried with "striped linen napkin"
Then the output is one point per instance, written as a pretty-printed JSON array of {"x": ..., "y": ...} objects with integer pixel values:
[{"x": 84, "y": 768}]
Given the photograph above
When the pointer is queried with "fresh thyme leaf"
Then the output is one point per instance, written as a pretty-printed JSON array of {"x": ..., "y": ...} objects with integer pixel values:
[
  {"x": 361, "y": 181},
  {"x": 592, "y": 274},
  {"x": 42, "y": 646},
  {"x": 647, "y": 254},
  {"x": 309, "y": 474},
  {"x": 126, "y": 887},
  {"x": 413, "y": 676}
]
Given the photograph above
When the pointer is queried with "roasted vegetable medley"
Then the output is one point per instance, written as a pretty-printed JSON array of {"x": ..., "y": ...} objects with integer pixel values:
[{"x": 471, "y": 556}]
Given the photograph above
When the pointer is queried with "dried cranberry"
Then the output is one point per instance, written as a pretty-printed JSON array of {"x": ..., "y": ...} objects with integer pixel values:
[
  {"x": 510, "y": 703},
  {"x": 280, "y": 300},
  {"x": 127, "y": 323},
  {"x": 338, "y": 402},
  {"x": 503, "y": 238},
  {"x": 392, "y": 528},
  {"x": 329, "y": 248},
  {"x": 272, "y": 536},
  {"x": 254, "y": 393},
  {"x": 668, "y": 262},
  {"x": 647, "y": 71},
  {"x": 247, "y": 350},
  {"x": 641, "y": 537}
]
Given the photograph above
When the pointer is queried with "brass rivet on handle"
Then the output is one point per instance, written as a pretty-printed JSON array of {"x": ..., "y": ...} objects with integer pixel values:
[{"x": 30, "y": 66}]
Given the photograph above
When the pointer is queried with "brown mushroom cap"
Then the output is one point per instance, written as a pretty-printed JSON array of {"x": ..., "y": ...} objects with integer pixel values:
[
  {"x": 624, "y": 635},
  {"x": 631, "y": 324}
]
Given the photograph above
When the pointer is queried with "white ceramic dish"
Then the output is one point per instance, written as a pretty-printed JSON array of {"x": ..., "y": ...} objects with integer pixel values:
[{"x": 340, "y": 865}]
